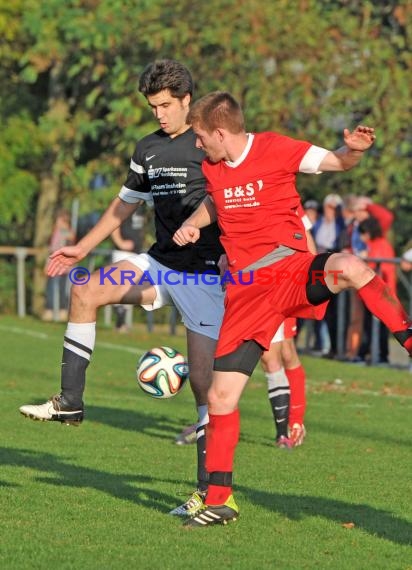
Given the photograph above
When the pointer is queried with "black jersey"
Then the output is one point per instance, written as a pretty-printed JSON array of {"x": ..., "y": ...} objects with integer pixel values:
[{"x": 168, "y": 171}]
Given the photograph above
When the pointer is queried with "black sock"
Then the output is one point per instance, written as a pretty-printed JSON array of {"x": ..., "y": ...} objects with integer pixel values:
[
  {"x": 202, "y": 474},
  {"x": 279, "y": 399},
  {"x": 79, "y": 341}
]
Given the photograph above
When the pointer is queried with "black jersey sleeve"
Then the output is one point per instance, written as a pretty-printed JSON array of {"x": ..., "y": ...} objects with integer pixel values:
[{"x": 136, "y": 186}]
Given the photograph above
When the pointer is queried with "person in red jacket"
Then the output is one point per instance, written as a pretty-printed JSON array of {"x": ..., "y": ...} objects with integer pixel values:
[
  {"x": 377, "y": 246},
  {"x": 360, "y": 208}
]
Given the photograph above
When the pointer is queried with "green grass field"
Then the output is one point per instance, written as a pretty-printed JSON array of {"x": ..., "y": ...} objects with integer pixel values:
[{"x": 97, "y": 496}]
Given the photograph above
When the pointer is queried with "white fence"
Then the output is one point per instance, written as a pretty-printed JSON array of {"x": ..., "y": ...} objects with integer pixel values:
[{"x": 21, "y": 254}]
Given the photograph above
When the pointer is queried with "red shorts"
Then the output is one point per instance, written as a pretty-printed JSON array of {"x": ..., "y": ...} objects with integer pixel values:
[
  {"x": 255, "y": 311},
  {"x": 291, "y": 328}
]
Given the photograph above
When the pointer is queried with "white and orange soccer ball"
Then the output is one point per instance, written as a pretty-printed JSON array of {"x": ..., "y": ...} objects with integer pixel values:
[{"x": 162, "y": 372}]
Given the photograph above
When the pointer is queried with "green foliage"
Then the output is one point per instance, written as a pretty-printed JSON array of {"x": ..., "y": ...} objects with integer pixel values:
[
  {"x": 19, "y": 185},
  {"x": 7, "y": 285},
  {"x": 307, "y": 68}
]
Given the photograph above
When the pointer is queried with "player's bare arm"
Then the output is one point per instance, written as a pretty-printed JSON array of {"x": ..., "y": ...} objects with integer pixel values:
[
  {"x": 120, "y": 243},
  {"x": 311, "y": 242},
  {"x": 189, "y": 231},
  {"x": 348, "y": 156},
  {"x": 65, "y": 257}
]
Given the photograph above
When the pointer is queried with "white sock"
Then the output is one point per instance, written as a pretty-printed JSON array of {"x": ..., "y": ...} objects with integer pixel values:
[{"x": 82, "y": 333}]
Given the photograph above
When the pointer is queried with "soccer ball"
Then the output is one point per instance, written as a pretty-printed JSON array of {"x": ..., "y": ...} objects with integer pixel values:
[{"x": 162, "y": 372}]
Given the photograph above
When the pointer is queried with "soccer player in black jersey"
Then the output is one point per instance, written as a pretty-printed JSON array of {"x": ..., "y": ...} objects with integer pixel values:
[{"x": 165, "y": 168}]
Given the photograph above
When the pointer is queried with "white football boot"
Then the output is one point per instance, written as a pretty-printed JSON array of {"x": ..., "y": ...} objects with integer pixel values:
[{"x": 54, "y": 410}]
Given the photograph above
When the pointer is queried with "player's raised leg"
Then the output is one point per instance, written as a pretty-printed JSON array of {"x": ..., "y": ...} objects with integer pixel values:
[
  {"x": 343, "y": 271},
  {"x": 79, "y": 339}
]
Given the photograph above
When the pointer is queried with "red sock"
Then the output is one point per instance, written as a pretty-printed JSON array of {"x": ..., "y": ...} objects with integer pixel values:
[
  {"x": 384, "y": 304},
  {"x": 296, "y": 377},
  {"x": 221, "y": 439}
]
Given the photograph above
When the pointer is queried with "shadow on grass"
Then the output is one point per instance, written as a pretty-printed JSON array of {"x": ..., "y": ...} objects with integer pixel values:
[
  {"x": 374, "y": 521},
  {"x": 6, "y": 484},
  {"x": 133, "y": 488},
  {"x": 161, "y": 426},
  {"x": 125, "y": 487},
  {"x": 155, "y": 425},
  {"x": 360, "y": 433}
]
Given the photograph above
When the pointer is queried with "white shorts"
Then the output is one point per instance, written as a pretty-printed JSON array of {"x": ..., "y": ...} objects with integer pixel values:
[
  {"x": 279, "y": 334},
  {"x": 120, "y": 255},
  {"x": 198, "y": 298}
]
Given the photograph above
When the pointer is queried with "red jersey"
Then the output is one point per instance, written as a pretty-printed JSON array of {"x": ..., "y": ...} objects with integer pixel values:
[{"x": 256, "y": 199}]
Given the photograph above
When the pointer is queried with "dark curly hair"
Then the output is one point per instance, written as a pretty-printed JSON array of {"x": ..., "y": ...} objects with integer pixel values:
[
  {"x": 372, "y": 227},
  {"x": 166, "y": 74}
]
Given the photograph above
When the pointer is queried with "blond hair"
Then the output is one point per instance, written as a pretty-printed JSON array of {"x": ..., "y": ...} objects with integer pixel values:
[{"x": 218, "y": 109}]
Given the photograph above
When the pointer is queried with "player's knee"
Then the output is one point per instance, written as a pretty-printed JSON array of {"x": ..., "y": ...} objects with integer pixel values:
[
  {"x": 361, "y": 273},
  {"x": 353, "y": 270},
  {"x": 271, "y": 360},
  {"x": 271, "y": 365},
  {"x": 218, "y": 397},
  {"x": 83, "y": 295},
  {"x": 222, "y": 400},
  {"x": 289, "y": 354}
]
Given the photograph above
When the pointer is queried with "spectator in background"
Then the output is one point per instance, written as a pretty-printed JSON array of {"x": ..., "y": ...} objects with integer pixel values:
[
  {"x": 377, "y": 246},
  {"x": 128, "y": 238},
  {"x": 326, "y": 233},
  {"x": 354, "y": 306},
  {"x": 57, "y": 287},
  {"x": 362, "y": 209},
  {"x": 348, "y": 215},
  {"x": 329, "y": 225},
  {"x": 311, "y": 208}
]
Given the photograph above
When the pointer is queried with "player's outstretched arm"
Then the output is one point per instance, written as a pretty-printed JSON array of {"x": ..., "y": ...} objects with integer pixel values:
[
  {"x": 348, "y": 156},
  {"x": 189, "y": 231},
  {"x": 120, "y": 243},
  {"x": 68, "y": 256},
  {"x": 63, "y": 258}
]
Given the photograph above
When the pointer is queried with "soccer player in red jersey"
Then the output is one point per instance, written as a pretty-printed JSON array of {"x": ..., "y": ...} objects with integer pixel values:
[{"x": 252, "y": 194}]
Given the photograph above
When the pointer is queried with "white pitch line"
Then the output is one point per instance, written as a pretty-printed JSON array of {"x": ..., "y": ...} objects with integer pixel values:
[
  {"x": 132, "y": 349},
  {"x": 45, "y": 336},
  {"x": 17, "y": 330},
  {"x": 357, "y": 392}
]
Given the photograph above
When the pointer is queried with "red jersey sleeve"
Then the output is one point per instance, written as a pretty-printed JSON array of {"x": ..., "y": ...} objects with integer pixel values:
[{"x": 292, "y": 151}]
